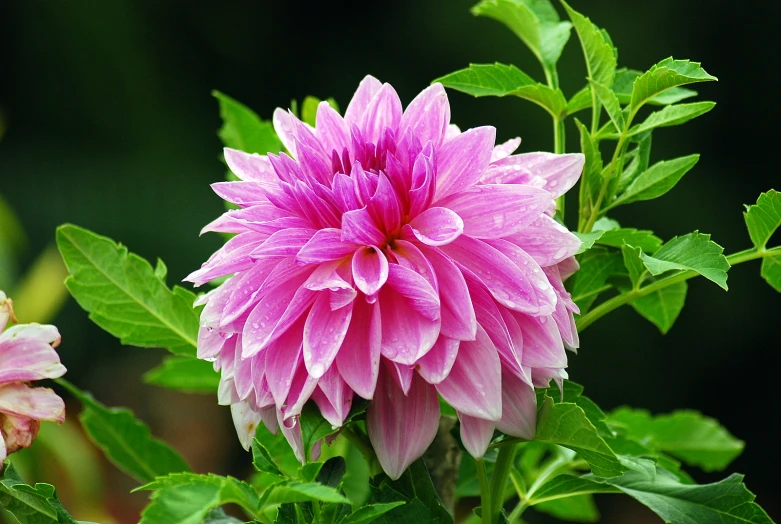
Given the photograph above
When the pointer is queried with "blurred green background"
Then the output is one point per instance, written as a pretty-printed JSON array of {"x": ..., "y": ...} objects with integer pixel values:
[{"x": 107, "y": 121}]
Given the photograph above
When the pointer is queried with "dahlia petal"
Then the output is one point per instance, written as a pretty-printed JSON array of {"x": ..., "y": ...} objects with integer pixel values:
[
  {"x": 474, "y": 384},
  {"x": 458, "y": 313},
  {"x": 263, "y": 397},
  {"x": 41, "y": 333},
  {"x": 452, "y": 131},
  {"x": 230, "y": 258},
  {"x": 3, "y": 449},
  {"x": 505, "y": 149},
  {"x": 358, "y": 359},
  {"x": 428, "y": 115},
  {"x": 559, "y": 172},
  {"x": 360, "y": 100},
  {"x": 547, "y": 241},
  {"x": 476, "y": 434},
  {"x": 344, "y": 191},
  {"x": 245, "y": 290},
  {"x": 19, "y": 432},
  {"x": 568, "y": 267},
  {"x": 497, "y": 210},
  {"x": 384, "y": 206},
  {"x": 409, "y": 256},
  {"x": 37, "y": 403},
  {"x": 211, "y": 342},
  {"x": 291, "y": 430},
  {"x": 251, "y": 167},
  {"x": 406, "y": 334},
  {"x": 282, "y": 358},
  {"x": 401, "y": 374},
  {"x": 242, "y": 374},
  {"x": 327, "y": 277},
  {"x": 421, "y": 192},
  {"x": 6, "y": 314},
  {"x": 416, "y": 289},
  {"x": 315, "y": 167},
  {"x": 543, "y": 376},
  {"x": 246, "y": 421},
  {"x": 510, "y": 285},
  {"x": 285, "y": 126},
  {"x": 324, "y": 333},
  {"x": 301, "y": 390},
  {"x": 243, "y": 194},
  {"x": 542, "y": 344},
  {"x": 565, "y": 307},
  {"x": 358, "y": 227},
  {"x": 370, "y": 269},
  {"x": 334, "y": 397},
  {"x": 519, "y": 408},
  {"x": 283, "y": 243},
  {"x": 513, "y": 360},
  {"x": 383, "y": 111},
  {"x": 462, "y": 160},
  {"x": 401, "y": 427},
  {"x": 437, "y": 226},
  {"x": 435, "y": 365},
  {"x": 324, "y": 246},
  {"x": 331, "y": 129}
]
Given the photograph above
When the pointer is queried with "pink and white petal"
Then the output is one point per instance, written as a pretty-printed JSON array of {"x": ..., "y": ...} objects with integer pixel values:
[
  {"x": 324, "y": 333},
  {"x": 428, "y": 115},
  {"x": 252, "y": 167},
  {"x": 37, "y": 403},
  {"x": 462, "y": 160},
  {"x": 401, "y": 427},
  {"x": 360, "y": 100},
  {"x": 384, "y": 206},
  {"x": 246, "y": 289},
  {"x": 230, "y": 258},
  {"x": 324, "y": 246},
  {"x": 246, "y": 421},
  {"x": 474, "y": 384},
  {"x": 435, "y": 365},
  {"x": 409, "y": 256},
  {"x": 300, "y": 392},
  {"x": 42, "y": 333},
  {"x": 542, "y": 377},
  {"x": 401, "y": 374},
  {"x": 542, "y": 344},
  {"x": 334, "y": 397},
  {"x": 458, "y": 313},
  {"x": 476, "y": 434},
  {"x": 242, "y": 375},
  {"x": 358, "y": 227},
  {"x": 19, "y": 432},
  {"x": 358, "y": 359},
  {"x": 519, "y": 408},
  {"x": 437, "y": 226},
  {"x": 283, "y": 243},
  {"x": 242, "y": 194},
  {"x": 369, "y": 269},
  {"x": 421, "y": 192},
  {"x": 497, "y": 210},
  {"x": 490, "y": 318},
  {"x": 406, "y": 334},
  {"x": 383, "y": 111},
  {"x": 285, "y": 126},
  {"x": 282, "y": 360},
  {"x": 547, "y": 241},
  {"x": 511, "y": 285},
  {"x": 331, "y": 129},
  {"x": 568, "y": 267},
  {"x": 328, "y": 276},
  {"x": 505, "y": 149},
  {"x": 416, "y": 289},
  {"x": 560, "y": 172}
]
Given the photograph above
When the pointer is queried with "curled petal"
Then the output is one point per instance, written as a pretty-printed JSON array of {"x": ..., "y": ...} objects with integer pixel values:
[
  {"x": 37, "y": 403},
  {"x": 324, "y": 246},
  {"x": 334, "y": 397},
  {"x": 437, "y": 226},
  {"x": 370, "y": 269},
  {"x": 416, "y": 289}
]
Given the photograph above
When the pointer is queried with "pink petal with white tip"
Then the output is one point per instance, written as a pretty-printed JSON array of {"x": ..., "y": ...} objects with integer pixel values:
[
  {"x": 519, "y": 408},
  {"x": 284, "y": 243},
  {"x": 476, "y": 434},
  {"x": 406, "y": 334},
  {"x": 358, "y": 359},
  {"x": 358, "y": 227},
  {"x": 324, "y": 246},
  {"x": 437, "y": 226},
  {"x": 428, "y": 115},
  {"x": 331, "y": 129},
  {"x": 334, "y": 397},
  {"x": 458, "y": 313},
  {"x": 547, "y": 241},
  {"x": 435, "y": 365},
  {"x": 505, "y": 149},
  {"x": 462, "y": 160},
  {"x": 360, "y": 100},
  {"x": 383, "y": 111},
  {"x": 542, "y": 344},
  {"x": 324, "y": 332},
  {"x": 251, "y": 167},
  {"x": 37, "y": 403}
]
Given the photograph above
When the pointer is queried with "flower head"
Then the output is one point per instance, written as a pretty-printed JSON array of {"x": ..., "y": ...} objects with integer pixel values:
[
  {"x": 389, "y": 255},
  {"x": 26, "y": 355}
]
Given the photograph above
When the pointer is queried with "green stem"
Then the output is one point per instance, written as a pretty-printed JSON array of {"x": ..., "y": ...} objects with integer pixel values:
[
  {"x": 624, "y": 298},
  {"x": 559, "y": 146},
  {"x": 316, "y": 511},
  {"x": 550, "y": 469},
  {"x": 485, "y": 492},
  {"x": 504, "y": 463}
]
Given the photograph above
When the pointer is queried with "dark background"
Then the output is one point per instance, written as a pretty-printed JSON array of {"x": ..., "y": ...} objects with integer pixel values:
[{"x": 109, "y": 124}]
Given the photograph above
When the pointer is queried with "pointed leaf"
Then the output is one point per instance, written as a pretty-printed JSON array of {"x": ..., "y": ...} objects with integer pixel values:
[
  {"x": 625, "y": 79},
  {"x": 633, "y": 262},
  {"x": 666, "y": 74},
  {"x": 184, "y": 374},
  {"x": 764, "y": 217},
  {"x": 579, "y": 101},
  {"x": 663, "y": 306},
  {"x": 616, "y": 236},
  {"x": 369, "y": 512},
  {"x": 242, "y": 129},
  {"x": 771, "y": 271},
  {"x": 597, "y": 48},
  {"x": 611, "y": 103},
  {"x": 592, "y": 179},
  {"x": 657, "y": 180},
  {"x": 596, "y": 266},
  {"x": 672, "y": 116},
  {"x": 695, "y": 252},
  {"x": 262, "y": 460}
]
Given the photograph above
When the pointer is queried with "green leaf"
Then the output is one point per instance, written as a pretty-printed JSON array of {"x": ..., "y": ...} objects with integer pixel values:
[
  {"x": 368, "y": 513},
  {"x": 126, "y": 441},
  {"x": 666, "y": 74},
  {"x": 625, "y": 79},
  {"x": 313, "y": 427},
  {"x": 309, "y": 110},
  {"x": 332, "y": 472},
  {"x": 184, "y": 374},
  {"x": 657, "y": 180},
  {"x": 566, "y": 424},
  {"x": 591, "y": 182},
  {"x": 641, "y": 156},
  {"x": 294, "y": 491},
  {"x": 633, "y": 262},
  {"x": 597, "y": 48},
  {"x": 596, "y": 266},
  {"x": 764, "y": 217},
  {"x": 567, "y": 485},
  {"x": 579, "y": 101},
  {"x": 771, "y": 271},
  {"x": 663, "y": 306},
  {"x": 262, "y": 460},
  {"x": 535, "y": 22},
  {"x": 695, "y": 252},
  {"x": 686, "y": 435},
  {"x": 423, "y": 505},
  {"x": 124, "y": 296},
  {"x": 30, "y": 504},
  {"x": 505, "y": 80},
  {"x": 578, "y": 508},
  {"x": 611, "y": 103},
  {"x": 573, "y": 393},
  {"x": 242, "y": 129},
  {"x": 587, "y": 240},
  {"x": 616, "y": 236},
  {"x": 672, "y": 116},
  {"x": 724, "y": 502}
]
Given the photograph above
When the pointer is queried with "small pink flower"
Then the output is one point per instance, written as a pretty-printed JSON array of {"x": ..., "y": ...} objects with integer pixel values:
[
  {"x": 393, "y": 257},
  {"x": 26, "y": 354}
]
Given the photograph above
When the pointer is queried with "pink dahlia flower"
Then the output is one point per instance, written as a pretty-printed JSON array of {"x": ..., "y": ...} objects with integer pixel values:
[
  {"x": 389, "y": 255},
  {"x": 26, "y": 354}
]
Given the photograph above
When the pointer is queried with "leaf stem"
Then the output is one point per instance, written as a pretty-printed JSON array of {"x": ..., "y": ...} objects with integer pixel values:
[
  {"x": 625, "y": 298},
  {"x": 504, "y": 463},
  {"x": 485, "y": 492}
]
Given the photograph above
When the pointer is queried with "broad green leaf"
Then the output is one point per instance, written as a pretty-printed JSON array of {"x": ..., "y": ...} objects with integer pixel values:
[
  {"x": 414, "y": 487},
  {"x": 370, "y": 512},
  {"x": 596, "y": 266},
  {"x": 597, "y": 48},
  {"x": 764, "y": 217},
  {"x": 535, "y": 22},
  {"x": 657, "y": 180},
  {"x": 771, "y": 271},
  {"x": 686, "y": 435},
  {"x": 218, "y": 516},
  {"x": 625, "y": 79},
  {"x": 616, "y": 236},
  {"x": 294, "y": 491},
  {"x": 566, "y": 424},
  {"x": 672, "y": 116},
  {"x": 29, "y": 505},
  {"x": 587, "y": 240},
  {"x": 573, "y": 393},
  {"x": 262, "y": 460},
  {"x": 567, "y": 485},
  {"x": 124, "y": 296},
  {"x": 633, "y": 262},
  {"x": 577, "y": 508},
  {"x": 663, "y": 306},
  {"x": 724, "y": 502},
  {"x": 505, "y": 80},
  {"x": 126, "y": 441},
  {"x": 332, "y": 472},
  {"x": 579, "y": 101},
  {"x": 313, "y": 427},
  {"x": 666, "y": 74},
  {"x": 184, "y": 374},
  {"x": 641, "y": 156},
  {"x": 279, "y": 448},
  {"x": 242, "y": 129},
  {"x": 610, "y": 102},
  {"x": 695, "y": 252}
]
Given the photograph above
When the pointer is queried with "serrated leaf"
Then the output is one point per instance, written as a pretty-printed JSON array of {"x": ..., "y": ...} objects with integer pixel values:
[
  {"x": 126, "y": 441},
  {"x": 566, "y": 424},
  {"x": 591, "y": 181},
  {"x": 122, "y": 294},
  {"x": 567, "y": 485},
  {"x": 244, "y": 130},
  {"x": 763, "y": 218},
  {"x": 672, "y": 115},
  {"x": 368, "y": 513},
  {"x": 294, "y": 491},
  {"x": 633, "y": 262},
  {"x": 686, "y": 435},
  {"x": 573, "y": 393},
  {"x": 30, "y": 505},
  {"x": 695, "y": 252},
  {"x": 579, "y": 101},
  {"x": 625, "y": 79},
  {"x": 663, "y": 306},
  {"x": 771, "y": 271},
  {"x": 666, "y": 74},
  {"x": 612, "y": 234},
  {"x": 587, "y": 240},
  {"x": 505, "y": 80},
  {"x": 423, "y": 505},
  {"x": 724, "y": 502},
  {"x": 184, "y": 374},
  {"x": 535, "y": 22},
  {"x": 657, "y": 180},
  {"x": 597, "y": 48},
  {"x": 641, "y": 156},
  {"x": 596, "y": 266},
  {"x": 610, "y": 101},
  {"x": 262, "y": 460}
]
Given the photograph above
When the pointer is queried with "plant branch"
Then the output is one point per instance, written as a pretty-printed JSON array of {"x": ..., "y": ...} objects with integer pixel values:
[
  {"x": 485, "y": 492},
  {"x": 504, "y": 463}
]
